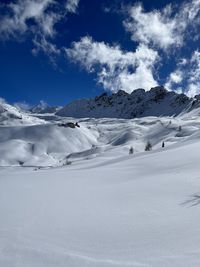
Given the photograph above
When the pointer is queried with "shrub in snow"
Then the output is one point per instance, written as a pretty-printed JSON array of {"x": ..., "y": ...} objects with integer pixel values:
[
  {"x": 163, "y": 144},
  {"x": 148, "y": 146},
  {"x": 131, "y": 150}
]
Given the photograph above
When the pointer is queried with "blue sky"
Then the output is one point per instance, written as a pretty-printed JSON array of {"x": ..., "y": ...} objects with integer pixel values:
[{"x": 58, "y": 51}]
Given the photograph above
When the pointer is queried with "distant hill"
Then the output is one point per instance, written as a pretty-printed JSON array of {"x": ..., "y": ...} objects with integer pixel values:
[
  {"x": 43, "y": 108},
  {"x": 10, "y": 115}
]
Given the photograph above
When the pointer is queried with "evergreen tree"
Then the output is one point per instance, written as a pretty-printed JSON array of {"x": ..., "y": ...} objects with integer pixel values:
[
  {"x": 131, "y": 150},
  {"x": 148, "y": 146}
]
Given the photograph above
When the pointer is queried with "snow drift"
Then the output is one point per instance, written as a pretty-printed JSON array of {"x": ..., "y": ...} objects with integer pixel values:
[
  {"x": 10, "y": 115},
  {"x": 107, "y": 208},
  {"x": 41, "y": 145},
  {"x": 115, "y": 210}
]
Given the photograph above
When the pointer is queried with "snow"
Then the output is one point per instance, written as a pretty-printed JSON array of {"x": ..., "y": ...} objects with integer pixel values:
[
  {"x": 43, "y": 108},
  {"x": 156, "y": 102},
  {"x": 41, "y": 145},
  {"x": 107, "y": 208},
  {"x": 10, "y": 115}
]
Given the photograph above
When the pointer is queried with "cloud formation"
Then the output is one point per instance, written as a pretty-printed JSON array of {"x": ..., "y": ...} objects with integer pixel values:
[
  {"x": 21, "y": 12},
  {"x": 49, "y": 48},
  {"x": 163, "y": 28},
  {"x": 72, "y": 5},
  {"x": 116, "y": 69},
  {"x": 157, "y": 35},
  {"x": 152, "y": 27},
  {"x": 186, "y": 77},
  {"x": 37, "y": 18},
  {"x": 153, "y": 33}
]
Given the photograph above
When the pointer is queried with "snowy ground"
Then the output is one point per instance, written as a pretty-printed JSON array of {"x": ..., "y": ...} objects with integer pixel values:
[{"x": 107, "y": 208}]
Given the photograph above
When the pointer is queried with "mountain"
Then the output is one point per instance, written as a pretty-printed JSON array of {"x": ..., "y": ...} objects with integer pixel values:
[
  {"x": 156, "y": 102},
  {"x": 75, "y": 195},
  {"x": 10, "y": 115},
  {"x": 43, "y": 108}
]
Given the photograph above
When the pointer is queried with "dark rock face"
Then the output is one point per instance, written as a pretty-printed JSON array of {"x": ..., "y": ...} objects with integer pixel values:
[
  {"x": 158, "y": 93},
  {"x": 69, "y": 124},
  {"x": 102, "y": 97},
  {"x": 156, "y": 102}
]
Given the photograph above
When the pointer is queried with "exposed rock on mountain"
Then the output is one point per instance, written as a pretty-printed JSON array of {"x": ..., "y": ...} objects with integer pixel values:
[{"x": 156, "y": 102}]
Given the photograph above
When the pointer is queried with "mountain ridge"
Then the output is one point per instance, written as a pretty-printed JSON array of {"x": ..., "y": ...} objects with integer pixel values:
[{"x": 140, "y": 103}]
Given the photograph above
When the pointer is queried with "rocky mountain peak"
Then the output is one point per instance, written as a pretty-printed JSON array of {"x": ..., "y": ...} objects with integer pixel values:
[{"x": 155, "y": 102}]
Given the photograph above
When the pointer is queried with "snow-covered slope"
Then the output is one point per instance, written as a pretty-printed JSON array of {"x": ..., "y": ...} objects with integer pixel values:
[
  {"x": 83, "y": 200},
  {"x": 55, "y": 143},
  {"x": 42, "y": 145},
  {"x": 156, "y": 102},
  {"x": 115, "y": 210},
  {"x": 10, "y": 115}
]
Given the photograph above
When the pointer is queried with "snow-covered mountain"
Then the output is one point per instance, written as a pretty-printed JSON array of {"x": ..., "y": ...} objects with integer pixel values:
[
  {"x": 10, "y": 115},
  {"x": 43, "y": 107},
  {"x": 156, "y": 102},
  {"x": 50, "y": 141},
  {"x": 72, "y": 195}
]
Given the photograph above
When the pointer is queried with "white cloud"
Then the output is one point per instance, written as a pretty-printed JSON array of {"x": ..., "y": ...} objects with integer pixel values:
[
  {"x": 36, "y": 17},
  {"x": 190, "y": 11},
  {"x": 175, "y": 77},
  {"x": 151, "y": 27},
  {"x": 42, "y": 44},
  {"x": 20, "y": 13},
  {"x": 182, "y": 62},
  {"x": 72, "y": 5},
  {"x": 193, "y": 87},
  {"x": 163, "y": 28},
  {"x": 116, "y": 69},
  {"x": 47, "y": 23},
  {"x": 186, "y": 76},
  {"x": 158, "y": 29}
]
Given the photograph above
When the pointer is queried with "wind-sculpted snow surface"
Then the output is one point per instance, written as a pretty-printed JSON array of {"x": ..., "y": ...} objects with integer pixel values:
[
  {"x": 55, "y": 143},
  {"x": 114, "y": 210},
  {"x": 42, "y": 145},
  {"x": 83, "y": 200},
  {"x": 156, "y": 102},
  {"x": 10, "y": 115}
]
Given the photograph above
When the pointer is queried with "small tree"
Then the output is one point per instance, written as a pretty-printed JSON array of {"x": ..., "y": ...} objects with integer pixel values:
[
  {"x": 148, "y": 146},
  {"x": 131, "y": 150},
  {"x": 163, "y": 144}
]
